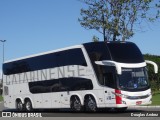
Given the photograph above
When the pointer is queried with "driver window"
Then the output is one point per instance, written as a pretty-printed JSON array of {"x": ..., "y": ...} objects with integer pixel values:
[
  {"x": 106, "y": 76},
  {"x": 109, "y": 80}
]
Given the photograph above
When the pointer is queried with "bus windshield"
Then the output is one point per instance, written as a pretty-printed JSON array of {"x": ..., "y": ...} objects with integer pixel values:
[{"x": 133, "y": 79}]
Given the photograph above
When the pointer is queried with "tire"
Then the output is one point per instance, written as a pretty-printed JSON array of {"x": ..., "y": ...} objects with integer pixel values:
[
  {"x": 90, "y": 104},
  {"x": 75, "y": 104},
  {"x": 28, "y": 106},
  {"x": 19, "y": 105}
]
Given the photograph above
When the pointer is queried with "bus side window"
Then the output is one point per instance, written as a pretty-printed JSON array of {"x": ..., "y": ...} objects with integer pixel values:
[
  {"x": 6, "y": 92},
  {"x": 54, "y": 85},
  {"x": 109, "y": 80}
]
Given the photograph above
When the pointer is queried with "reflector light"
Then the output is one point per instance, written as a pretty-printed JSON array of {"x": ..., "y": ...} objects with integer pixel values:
[{"x": 118, "y": 97}]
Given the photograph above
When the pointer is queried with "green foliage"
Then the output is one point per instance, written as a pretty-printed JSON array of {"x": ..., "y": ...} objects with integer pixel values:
[
  {"x": 117, "y": 18},
  {"x": 153, "y": 78},
  {"x": 156, "y": 99},
  {"x": 95, "y": 39},
  {"x": 1, "y": 98}
]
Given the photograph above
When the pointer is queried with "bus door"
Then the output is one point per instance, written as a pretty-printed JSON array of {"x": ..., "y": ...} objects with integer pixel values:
[
  {"x": 109, "y": 88},
  {"x": 8, "y": 95}
]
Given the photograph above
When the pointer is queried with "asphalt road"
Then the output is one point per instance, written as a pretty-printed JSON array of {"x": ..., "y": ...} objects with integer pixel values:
[{"x": 131, "y": 112}]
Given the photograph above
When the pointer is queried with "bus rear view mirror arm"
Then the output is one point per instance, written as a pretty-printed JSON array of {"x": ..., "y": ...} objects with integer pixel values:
[
  {"x": 110, "y": 63},
  {"x": 154, "y": 64}
]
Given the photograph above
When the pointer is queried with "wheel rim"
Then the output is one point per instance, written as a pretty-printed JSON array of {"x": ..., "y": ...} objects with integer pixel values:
[
  {"x": 77, "y": 105},
  {"x": 28, "y": 106},
  {"x": 92, "y": 104},
  {"x": 19, "y": 105}
]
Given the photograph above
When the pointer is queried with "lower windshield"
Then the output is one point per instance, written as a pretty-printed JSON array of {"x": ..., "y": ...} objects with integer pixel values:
[{"x": 133, "y": 79}]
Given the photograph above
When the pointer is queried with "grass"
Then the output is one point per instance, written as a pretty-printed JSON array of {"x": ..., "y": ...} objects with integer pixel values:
[
  {"x": 1, "y": 98},
  {"x": 156, "y": 99}
]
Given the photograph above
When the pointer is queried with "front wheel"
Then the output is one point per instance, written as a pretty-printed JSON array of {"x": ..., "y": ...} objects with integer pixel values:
[{"x": 90, "y": 104}]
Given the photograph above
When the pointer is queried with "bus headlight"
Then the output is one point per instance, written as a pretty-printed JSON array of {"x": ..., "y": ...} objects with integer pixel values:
[
  {"x": 120, "y": 95},
  {"x": 124, "y": 96}
]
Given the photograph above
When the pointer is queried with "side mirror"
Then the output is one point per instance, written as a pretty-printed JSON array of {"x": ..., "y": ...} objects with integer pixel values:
[
  {"x": 154, "y": 64},
  {"x": 110, "y": 63}
]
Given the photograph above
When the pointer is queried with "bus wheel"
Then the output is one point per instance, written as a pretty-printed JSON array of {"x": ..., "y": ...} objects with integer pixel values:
[
  {"x": 28, "y": 105},
  {"x": 76, "y": 104},
  {"x": 19, "y": 105},
  {"x": 90, "y": 104}
]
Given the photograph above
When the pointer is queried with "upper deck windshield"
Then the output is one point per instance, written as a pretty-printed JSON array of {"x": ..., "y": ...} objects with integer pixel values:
[
  {"x": 133, "y": 79},
  {"x": 125, "y": 52},
  {"x": 122, "y": 52}
]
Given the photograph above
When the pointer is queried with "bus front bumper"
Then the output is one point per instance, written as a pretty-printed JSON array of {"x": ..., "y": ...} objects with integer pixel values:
[{"x": 137, "y": 102}]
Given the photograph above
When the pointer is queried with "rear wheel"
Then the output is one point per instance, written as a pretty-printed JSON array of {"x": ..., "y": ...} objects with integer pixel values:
[
  {"x": 75, "y": 104},
  {"x": 90, "y": 104},
  {"x": 28, "y": 106},
  {"x": 19, "y": 105}
]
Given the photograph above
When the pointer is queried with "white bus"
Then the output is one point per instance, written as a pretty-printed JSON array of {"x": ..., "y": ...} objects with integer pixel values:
[{"x": 88, "y": 76}]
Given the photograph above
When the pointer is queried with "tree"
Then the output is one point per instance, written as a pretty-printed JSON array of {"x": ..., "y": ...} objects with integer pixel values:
[
  {"x": 116, "y": 19},
  {"x": 153, "y": 78},
  {"x": 95, "y": 39}
]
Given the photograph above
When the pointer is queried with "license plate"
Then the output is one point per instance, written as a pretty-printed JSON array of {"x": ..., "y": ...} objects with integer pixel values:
[{"x": 138, "y": 102}]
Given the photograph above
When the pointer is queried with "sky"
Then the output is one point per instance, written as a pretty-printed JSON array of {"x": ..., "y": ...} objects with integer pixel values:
[{"x": 34, "y": 26}]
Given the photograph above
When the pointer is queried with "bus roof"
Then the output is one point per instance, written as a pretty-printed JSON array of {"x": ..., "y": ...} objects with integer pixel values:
[{"x": 67, "y": 48}]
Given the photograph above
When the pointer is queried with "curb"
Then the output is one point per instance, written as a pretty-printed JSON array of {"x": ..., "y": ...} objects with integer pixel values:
[{"x": 144, "y": 107}]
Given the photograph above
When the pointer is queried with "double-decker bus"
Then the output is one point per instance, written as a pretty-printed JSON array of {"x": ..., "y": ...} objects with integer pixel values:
[{"x": 88, "y": 76}]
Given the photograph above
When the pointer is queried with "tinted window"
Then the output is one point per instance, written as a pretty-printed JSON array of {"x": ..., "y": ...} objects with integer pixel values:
[
  {"x": 6, "y": 91},
  {"x": 97, "y": 51},
  {"x": 71, "y": 57},
  {"x": 109, "y": 79},
  {"x": 63, "y": 58},
  {"x": 63, "y": 84},
  {"x": 107, "y": 76},
  {"x": 74, "y": 84},
  {"x": 44, "y": 86},
  {"x": 125, "y": 52}
]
